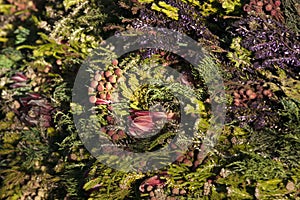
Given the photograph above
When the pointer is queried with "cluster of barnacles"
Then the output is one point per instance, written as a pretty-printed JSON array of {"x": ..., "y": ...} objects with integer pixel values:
[
  {"x": 253, "y": 102},
  {"x": 265, "y": 7},
  {"x": 247, "y": 95},
  {"x": 103, "y": 83}
]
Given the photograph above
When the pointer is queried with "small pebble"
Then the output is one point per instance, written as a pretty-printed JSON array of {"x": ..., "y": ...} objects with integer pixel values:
[
  {"x": 269, "y": 7},
  {"x": 108, "y": 74},
  {"x": 236, "y": 95},
  {"x": 260, "y": 3},
  {"x": 91, "y": 90},
  {"x": 249, "y": 92},
  {"x": 108, "y": 86},
  {"x": 175, "y": 191},
  {"x": 92, "y": 99},
  {"x": 108, "y": 96},
  {"x": 94, "y": 84},
  {"x": 187, "y": 162},
  {"x": 151, "y": 194},
  {"x": 100, "y": 87},
  {"x": 115, "y": 137},
  {"x": 112, "y": 79},
  {"x": 149, "y": 188},
  {"x": 241, "y": 91},
  {"x": 111, "y": 132},
  {"x": 97, "y": 77},
  {"x": 103, "y": 96},
  {"x": 182, "y": 192},
  {"x": 252, "y": 96},
  {"x": 118, "y": 72},
  {"x": 115, "y": 62}
]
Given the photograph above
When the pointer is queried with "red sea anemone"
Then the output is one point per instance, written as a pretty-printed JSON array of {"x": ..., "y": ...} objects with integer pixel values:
[{"x": 142, "y": 122}]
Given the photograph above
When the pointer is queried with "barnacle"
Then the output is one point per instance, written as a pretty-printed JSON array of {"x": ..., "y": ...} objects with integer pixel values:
[{"x": 253, "y": 105}]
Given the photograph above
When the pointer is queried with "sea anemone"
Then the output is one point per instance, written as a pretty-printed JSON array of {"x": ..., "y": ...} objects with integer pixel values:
[{"x": 35, "y": 110}]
